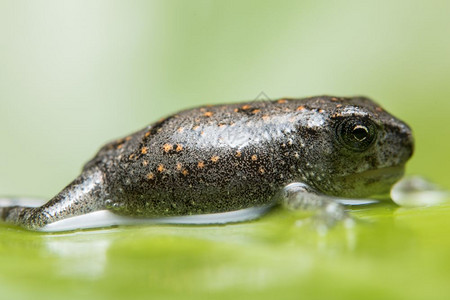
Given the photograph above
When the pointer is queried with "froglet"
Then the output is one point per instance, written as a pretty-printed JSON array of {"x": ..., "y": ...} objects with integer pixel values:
[{"x": 214, "y": 160}]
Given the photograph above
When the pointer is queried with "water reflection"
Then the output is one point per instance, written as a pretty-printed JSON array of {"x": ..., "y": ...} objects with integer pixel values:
[
  {"x": 260, "y": 250},
  {"x": 277, "y": 240},
  {"x": 82, "y": 254}
]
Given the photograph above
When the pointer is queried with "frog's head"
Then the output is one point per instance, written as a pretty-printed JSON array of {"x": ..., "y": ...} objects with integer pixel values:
[{"x": 358, "y": 150}]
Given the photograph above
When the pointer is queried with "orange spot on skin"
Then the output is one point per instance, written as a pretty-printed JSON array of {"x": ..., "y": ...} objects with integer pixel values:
[
  {"x": 255, "y": 111},
  {"x": 238, "y": 153},
  {"x": 202, "y": 133},
  {"x": 147, "y": 134},
  {"x": 265, "y": 117},
  {"x": 201, "y": 165},
  {"x": 261, "y": 170},
  {"x": 254, "y": 157},
  {"x": 300, "y": 108},
  {"x": 179, "y": 148},
  {"x": 144, "y": 150},
  {"x": 150, "y": 176},
  {"x": 321, "y": 110},
  {"x": 235, "y": 110},
  {"x": 245, "y": 107},
  {"x": 215, "y": 158},
  {"x": 120, "y": 146},
  {"x": 167, "y": 147},
  {"x": 282, "y": 101},
  {"x": 339, "y": 105},
  {"x": 179, "y": 166},
  {"x": 185, "y": 172},
  {"x": 128, "y": 138},
  {"x": 334, "y": 99},
  {"x": 379, "y": 109},
  {"x": 208, "y": 114},
  {"x": 131, "y": 156},
  {"x": 145, "y": 163},
  {"x": 160, "y": 168},
  {"x": 195, "y": 127},
  {"x": 222, "y": 125},
  {"x": 180, "y": 130}
]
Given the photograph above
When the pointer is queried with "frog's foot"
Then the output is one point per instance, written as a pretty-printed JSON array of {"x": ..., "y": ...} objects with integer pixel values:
[{"x": 328, "y": 212}]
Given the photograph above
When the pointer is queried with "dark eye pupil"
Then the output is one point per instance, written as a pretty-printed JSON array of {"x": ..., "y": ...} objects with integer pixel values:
[
  {"x": 356, "y": 134},
  {"x": 360, "y": 133}
]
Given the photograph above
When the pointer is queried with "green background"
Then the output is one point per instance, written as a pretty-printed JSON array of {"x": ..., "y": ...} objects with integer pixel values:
[{"x": 75, "y": 74}]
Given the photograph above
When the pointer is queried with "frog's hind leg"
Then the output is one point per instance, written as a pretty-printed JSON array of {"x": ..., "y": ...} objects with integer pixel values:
[
  {"x": 84, "y": 195},
  {"x": 328, "y": 212}
]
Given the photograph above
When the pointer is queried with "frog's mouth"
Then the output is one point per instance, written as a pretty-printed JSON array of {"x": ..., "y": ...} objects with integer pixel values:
[
  {"x": 370, "y": 182},
  {"x": 381, "y": 174}
]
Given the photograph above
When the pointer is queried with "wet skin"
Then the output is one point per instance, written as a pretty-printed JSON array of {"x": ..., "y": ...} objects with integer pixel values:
[{"x": 224, "y": 158}]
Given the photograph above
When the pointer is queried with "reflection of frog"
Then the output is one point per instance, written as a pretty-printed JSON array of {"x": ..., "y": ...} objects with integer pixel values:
[{"x": 212, "y": 159}]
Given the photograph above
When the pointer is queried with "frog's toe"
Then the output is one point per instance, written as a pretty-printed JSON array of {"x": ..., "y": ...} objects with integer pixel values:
[{"x": 327, "y": 211}]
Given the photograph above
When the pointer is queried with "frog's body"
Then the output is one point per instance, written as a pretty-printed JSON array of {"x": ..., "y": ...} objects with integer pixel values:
[{"x": 224, "y": 158}]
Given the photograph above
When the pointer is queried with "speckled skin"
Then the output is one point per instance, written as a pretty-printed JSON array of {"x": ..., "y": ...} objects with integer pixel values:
[{"x": 228, "y": 157}]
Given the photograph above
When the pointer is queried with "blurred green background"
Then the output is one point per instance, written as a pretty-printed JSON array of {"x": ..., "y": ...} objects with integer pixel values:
[{"x": 75, "y": 74}]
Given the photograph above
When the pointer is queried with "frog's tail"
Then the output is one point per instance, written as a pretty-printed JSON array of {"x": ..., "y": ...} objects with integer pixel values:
[
  {"x": 85, "y": 194},
  {"x": 6, "y": 212}
]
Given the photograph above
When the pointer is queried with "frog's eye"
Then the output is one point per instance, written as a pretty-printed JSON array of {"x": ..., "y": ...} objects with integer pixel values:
[{"x": 356, "y": 134}]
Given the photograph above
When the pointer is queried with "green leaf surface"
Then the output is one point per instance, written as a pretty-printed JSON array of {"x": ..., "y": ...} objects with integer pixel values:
[{"x": 391, "y": 253}]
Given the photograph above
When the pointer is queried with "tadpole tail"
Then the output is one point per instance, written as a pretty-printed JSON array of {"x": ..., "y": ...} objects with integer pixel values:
[
  {"x": 83, "y": 195},
  {"x": 6, "y": 210},
  {"x": 12, "y": 213}
]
